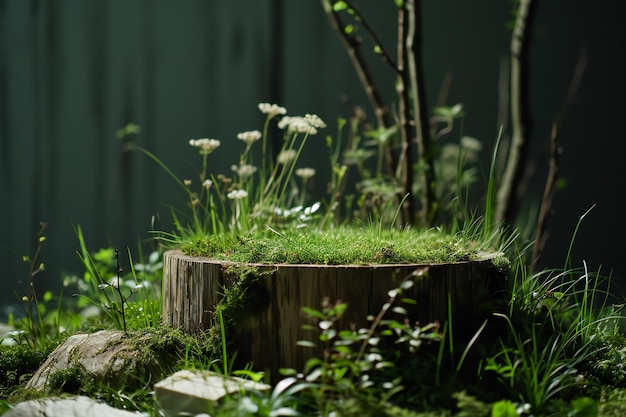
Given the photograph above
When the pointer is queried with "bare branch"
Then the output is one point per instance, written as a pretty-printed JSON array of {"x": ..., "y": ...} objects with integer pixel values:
[
  {"x": 429, "y": 209},
  {"x": 352, "y": 46},
  {"x": 518, "y": 139},
  {"x": 553, "y": 172},
  {"x": 370, "y": 31}
]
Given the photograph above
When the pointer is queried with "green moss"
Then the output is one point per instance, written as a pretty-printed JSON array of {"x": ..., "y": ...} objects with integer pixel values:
[
  {"x": 501, "y": 264},
  {"x": 18, "y": 363},
  {"x": 357, "y": 246}
]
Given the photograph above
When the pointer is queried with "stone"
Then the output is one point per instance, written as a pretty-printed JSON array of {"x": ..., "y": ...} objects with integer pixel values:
[
  {"x": 109, "y": 356},
  {"x": 6, "y": 335},
  {"x": 193, "y": 392},
  {"x": 65, "y": 407}
]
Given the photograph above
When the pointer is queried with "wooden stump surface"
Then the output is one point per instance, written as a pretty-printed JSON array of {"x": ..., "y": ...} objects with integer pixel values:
[{"x": 267, "y": 334}]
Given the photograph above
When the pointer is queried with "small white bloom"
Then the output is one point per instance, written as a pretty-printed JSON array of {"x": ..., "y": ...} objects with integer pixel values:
[
  {"x": 471, "y": 144},
  {"x": 284, "y": 157},
  {"x": 249, "y": 137},
  {"x": 284, "y": 122},
  {"x": 206, "y": 145},
  {"x": 305, "y": 173},
  {"x": 314, "y": 120},
  {"x": 207, "y": 184},
  {"x": 237, "y": 194},
  {"x": 244, "y": 170},
  {"x": 187, "y": 183},
  {"x": 272, "y": 110},
  {"x": 297, "y": 124}
]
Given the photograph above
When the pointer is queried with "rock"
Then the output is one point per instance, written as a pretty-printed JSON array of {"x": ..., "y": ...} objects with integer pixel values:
[
  {"x": 109, "y": 356},
  {"x": 65, "y": 407},
  {"x": 193, "y": 391},
  {"x": 6, "y": 337}
]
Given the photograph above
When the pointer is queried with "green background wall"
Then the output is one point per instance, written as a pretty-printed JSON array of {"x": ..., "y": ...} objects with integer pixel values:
[{"x": 73, "y": 72}]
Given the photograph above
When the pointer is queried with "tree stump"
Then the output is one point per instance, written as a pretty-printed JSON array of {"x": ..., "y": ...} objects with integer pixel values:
[{"x": 272, "y": 319}]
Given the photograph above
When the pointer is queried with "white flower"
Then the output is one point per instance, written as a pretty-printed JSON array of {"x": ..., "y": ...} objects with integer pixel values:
[
  {"x": 249, "y": 137},
  {"x": 471, "y": 144},
  {"x": 305, "y": 173},
  {"x": 207, "y": 184},
  {"x": 314, "y": 121},
  {"x": 206, "y": 145},
  {"x": 272, "y": 110},
  {"x": 244, "y": 170},
  {"x": 284, "y": 157},
  {"x": 237, "y": 194},
  {"x": 187, "y": 183},
  {"x": 297, "y": 124}
]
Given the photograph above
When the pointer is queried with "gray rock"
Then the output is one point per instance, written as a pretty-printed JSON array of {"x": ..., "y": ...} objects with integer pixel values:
[
  {"x": 193, "y": 392},
  {"x": 102, "y": 355},
  {"x": 65, "y": 407}
]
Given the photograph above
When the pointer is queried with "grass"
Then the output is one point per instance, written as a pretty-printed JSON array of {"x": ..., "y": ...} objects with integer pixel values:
[
  {"x": 342, "y": 246},
  {"x": 556, "y": 349}
]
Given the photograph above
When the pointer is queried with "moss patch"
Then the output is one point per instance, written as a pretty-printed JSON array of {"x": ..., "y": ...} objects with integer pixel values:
[{"x": 344, "y": 246}]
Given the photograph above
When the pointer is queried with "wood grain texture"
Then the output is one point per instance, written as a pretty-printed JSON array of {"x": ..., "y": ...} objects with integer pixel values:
[{"x": 267, "y": 332}]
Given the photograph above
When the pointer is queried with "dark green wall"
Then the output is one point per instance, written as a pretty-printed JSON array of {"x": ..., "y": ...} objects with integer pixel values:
[{"x": 72, "y": 72}]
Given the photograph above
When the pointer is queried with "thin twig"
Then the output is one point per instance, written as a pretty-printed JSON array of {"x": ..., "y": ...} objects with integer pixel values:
[
  {"x": 553, "y": 172},
  {"x": 370, "y": 31},
  {"x": 352, "y": 46}
]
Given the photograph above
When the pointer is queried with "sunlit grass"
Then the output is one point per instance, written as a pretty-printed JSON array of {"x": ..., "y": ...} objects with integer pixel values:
[{"x": 360, "y": 246}]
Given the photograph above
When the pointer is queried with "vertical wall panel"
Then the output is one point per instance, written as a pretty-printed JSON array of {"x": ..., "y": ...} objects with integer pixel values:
[{"x": 72, "y": 73}]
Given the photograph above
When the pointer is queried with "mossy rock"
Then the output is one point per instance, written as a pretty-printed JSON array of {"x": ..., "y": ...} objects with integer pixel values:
[{"x": 110, "y": 357}]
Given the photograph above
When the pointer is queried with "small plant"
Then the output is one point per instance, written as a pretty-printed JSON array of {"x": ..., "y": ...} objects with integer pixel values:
[
  {"x": 39, "y": 327},
  {"x": 104, "y": 286},
  {"x": 554, "y": 331},
  {"x": 239, "y": 205},
  {"x": 120, "y": 306},
  {"x": 356, "y": 366}
]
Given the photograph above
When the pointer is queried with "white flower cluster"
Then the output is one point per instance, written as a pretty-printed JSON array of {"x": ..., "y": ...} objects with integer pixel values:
[
  {"x": 244, "y": 170},
  {"x": 237, "y": 194},
  {"x": 286, "y": 156},
  {"x": 297, "y": 124},
  {"x": 314, "y": 120},
  {"x": 205, "y": 145},
  {"x": 249, "y": 137},
  {"x": 305, "y": 173},
  {"x": 272, "y": 110}
]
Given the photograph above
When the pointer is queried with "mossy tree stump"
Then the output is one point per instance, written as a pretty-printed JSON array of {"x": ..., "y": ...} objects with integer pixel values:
[{"x": 272, "y": 319}]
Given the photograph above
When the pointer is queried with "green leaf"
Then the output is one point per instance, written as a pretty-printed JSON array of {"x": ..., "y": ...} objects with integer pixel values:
[
  {"x": 503, "y": 408},
  {"x": 339, "y": 6},
  {"x": 407, "y": 284},
  {"x": 340, "y": 309},
  {"x": 584, "y": 407},
  {"x": 306, "y": 343},
  {"x": 400, "y": 310},
  {"x": 313, "y": 313}
]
